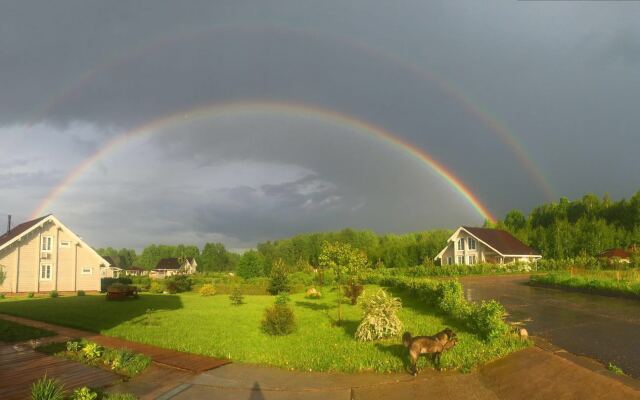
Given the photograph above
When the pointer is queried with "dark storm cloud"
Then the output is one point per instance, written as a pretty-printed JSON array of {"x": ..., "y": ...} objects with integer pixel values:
[{"x": 562, "y": 77}]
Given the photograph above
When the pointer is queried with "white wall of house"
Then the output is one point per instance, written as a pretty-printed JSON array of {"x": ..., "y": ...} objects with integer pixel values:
[
  {"x": 464, "y": 248},
  {"x": 49, "y": 258}
]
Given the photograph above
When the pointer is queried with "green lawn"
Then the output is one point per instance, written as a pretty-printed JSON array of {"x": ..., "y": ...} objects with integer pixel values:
[
  {"x": 612, "y": 283},
  {"x": 211, "y": 326},
  {"x": 14, "y": 332}
]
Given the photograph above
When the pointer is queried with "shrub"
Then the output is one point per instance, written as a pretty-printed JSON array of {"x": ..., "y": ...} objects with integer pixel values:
[
  {"x": 2, "y": 296},
  {"x": 353, "y": 291},
  {"x": 312, "y": 293},
  {"x": 178, "y": 284},
  {"x": 380, "y": 319},
  {"x": 91, "y": 350},
  {"x": 279, "y": 318},
  {"x": 236, "y": 296},
  {"x": 47, "y": 389},
  {"x": 119, "y": 396},
  {"x": 156, "y": 287},
  {"x": 125, "y": 361},
  {"x": 53, "y": 294},
  {"x": 84, "y": 393},
  {"x": 487, "y": 319},
  {"x": 279, "y": 281},
  {"x": 207, "y": 290},
  {"x": 31, "y": 295},
  {"x": 73, "y": 346},
  {"x": 81, "y": 293},
  {"x": 106, "y": 282}
]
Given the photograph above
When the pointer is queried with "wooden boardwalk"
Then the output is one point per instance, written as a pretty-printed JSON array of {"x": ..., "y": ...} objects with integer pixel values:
[
  {"x": 176, "y": 359},
  {"x": 20, "y": 366}
]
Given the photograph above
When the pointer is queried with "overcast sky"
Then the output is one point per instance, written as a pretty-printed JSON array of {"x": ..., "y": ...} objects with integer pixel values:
[{"x": 448, "y": 77}]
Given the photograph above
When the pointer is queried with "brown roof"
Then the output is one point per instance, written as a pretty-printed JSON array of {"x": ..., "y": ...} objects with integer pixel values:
[
  {"x": 610, "y": 253},
  {"x": 20, "y": 229},
  {"x": 109, "y": 260},
  {"x": 168, "y": 263},
  {"x": 502, "y": 241}
]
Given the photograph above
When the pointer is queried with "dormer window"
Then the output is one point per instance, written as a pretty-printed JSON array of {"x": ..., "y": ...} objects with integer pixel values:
[
  {"x": 472, "y": 244},
  {"x": 461, "y": 244}
]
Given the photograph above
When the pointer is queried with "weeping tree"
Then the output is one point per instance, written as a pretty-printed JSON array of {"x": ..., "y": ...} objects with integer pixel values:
[{"x": 347, "y": 263}]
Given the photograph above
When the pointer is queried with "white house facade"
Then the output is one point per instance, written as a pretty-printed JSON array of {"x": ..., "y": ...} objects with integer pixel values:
[{"x": 469, "y": 246}]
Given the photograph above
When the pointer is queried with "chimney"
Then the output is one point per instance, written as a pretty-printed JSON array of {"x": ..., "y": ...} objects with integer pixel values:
[{"x": 9, "y": 223}]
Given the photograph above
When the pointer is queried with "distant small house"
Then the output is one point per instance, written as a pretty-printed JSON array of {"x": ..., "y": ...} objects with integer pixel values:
[
  {"x": 135, "y": 271},
  {"x": 618, "y": 254},
  {"x": 110, "y": 270},
  {"x": 470, "y": 246},
  {"x": 174, "y": 266}
]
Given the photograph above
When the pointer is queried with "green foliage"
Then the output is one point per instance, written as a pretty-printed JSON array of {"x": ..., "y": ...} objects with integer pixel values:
[
  {"x": 207, "y": 290},
  {"x": 106, "y": 282},
  {"x": 14, "y": 332},
  {"x": 156, "y": 287},
  {"x": 279, "y": 320},
  {"x": 150, "y": 255},
  {"x": 250, "y": 265},
  {"x": 47, "y": 389},
  {"x": 53, "y": 294},
  {"x": 91, "y": 350},
  {"x": 485, "y": 319},
  {"x": 615, "y": 369},
  {"x": 178, "y": 284},
  {"x": 80, "y": 293},
  {"x": 125, "y": 361},
  {"x": 119, "y": 396},
  {"x": 2, "y": 296},
  {"x": 236, "y": 296},
  {"x": 215, "y": 257},
  {"x": 380, "y": 317},
  {"x": 74, "y": 346},
  {"x": 352, "y": 291},
  {"x": 279, "y": 281},
  {"x": 282, "y": 298},
  {"x": 123, "y": 258},
  {"x": 3, "y": 274},
  {"x": 616, "y": 283},
  {"x": 31, "y": 295},
  {"x": 84, "y": 393}
]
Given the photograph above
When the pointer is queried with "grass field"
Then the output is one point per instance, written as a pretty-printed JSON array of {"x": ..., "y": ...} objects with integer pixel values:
[
  {"x": 14, "y": 332},
  {"x": 624, "y": 283},
  {"x": 211, "y": 326}
]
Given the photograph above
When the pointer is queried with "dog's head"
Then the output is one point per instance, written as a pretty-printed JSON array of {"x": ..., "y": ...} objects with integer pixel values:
[
  {"x": 406, "y": 339},
  {"x": 450, "y": 334},
  {"x": 451, "y": 343}
]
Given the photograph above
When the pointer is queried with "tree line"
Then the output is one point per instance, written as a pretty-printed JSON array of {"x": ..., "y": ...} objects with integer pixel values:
[
  {"x": 582, "y": 227},
  {"x": 559, "y": 230}
]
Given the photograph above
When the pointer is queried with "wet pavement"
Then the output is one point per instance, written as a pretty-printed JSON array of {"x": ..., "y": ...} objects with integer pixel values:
[{"x": 604, "y": 328}]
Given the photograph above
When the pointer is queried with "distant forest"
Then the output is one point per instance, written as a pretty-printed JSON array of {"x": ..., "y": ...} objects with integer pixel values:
[{"x": 559, "y": 230}]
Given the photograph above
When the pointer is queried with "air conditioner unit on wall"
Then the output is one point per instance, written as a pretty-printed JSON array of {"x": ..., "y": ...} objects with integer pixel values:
[{"x": 45, "y": 256}]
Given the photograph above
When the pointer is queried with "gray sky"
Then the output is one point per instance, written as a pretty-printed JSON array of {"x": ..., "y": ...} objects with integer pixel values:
[{"x": 563, "y": 78}]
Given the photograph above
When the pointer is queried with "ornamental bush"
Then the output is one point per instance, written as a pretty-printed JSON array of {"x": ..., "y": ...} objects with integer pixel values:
[
  {"x": 207, "y": 290},
  {"x": 380, "y": 320},
  {"x": 156, "y": 287},
  {"x": 178, "y": 284},
  {"x": 47, "y": 389},
  {"x": 279, "y": 281},
  {"x": 279, "y": 319},
  {"x": 353, "y": 290},
  {"x": 236, "y": 296}
]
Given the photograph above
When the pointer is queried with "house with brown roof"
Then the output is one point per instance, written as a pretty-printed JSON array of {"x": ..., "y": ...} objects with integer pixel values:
[
  {"x": 174, "y": 266},
  {"x": 470, "y": 246},
  {"x": 617, "y": 255},
  {"x": 42, "y": 255},
  {"x": 135, "y": 271}
]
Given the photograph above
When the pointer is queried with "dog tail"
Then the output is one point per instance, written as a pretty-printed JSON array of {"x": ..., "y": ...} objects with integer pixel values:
[{"x": 406, "y": 339}]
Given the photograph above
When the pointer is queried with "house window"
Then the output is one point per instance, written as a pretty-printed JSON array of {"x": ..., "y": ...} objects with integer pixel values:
[
  {"x": 461, "y": 244},
  {"x": 472, "y": 244},
  {"x": 46, "y": 243},
  {"x": 87, "y": 271},
  {"x": 45, "y": 272},
  {"x": 472, "y": 260},
  {"x": 461, "y": 260},
  {"x": 449, "y": 260},
  {"x": 65, "y": 244}
]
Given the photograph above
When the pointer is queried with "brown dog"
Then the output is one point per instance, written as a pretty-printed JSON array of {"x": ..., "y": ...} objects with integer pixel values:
[{"x": 423, "y": 345}]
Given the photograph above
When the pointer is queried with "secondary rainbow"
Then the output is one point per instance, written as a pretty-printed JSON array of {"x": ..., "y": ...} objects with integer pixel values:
[
  {"x": 295, "y": 109},
  {"x": 472, "y": 107}
]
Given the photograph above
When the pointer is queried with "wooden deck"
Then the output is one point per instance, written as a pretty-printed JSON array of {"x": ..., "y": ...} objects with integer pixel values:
[
  {"x": 176, "y": 359},
  {"x": 20, "y": 366}
]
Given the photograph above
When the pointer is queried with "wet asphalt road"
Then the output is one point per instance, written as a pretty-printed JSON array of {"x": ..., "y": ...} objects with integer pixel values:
[{"x": 604, "y": 328}]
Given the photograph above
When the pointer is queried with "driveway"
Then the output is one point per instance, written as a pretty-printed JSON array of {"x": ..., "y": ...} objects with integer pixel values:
[{"x": 604, "y": 328}]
